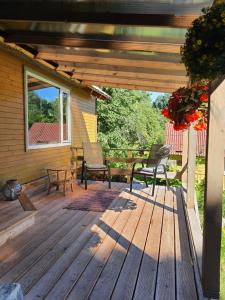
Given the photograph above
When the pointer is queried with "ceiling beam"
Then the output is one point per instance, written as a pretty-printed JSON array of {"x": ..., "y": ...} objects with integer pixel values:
[
  {"x": 142, "y": 61},
  {"x": 129, "y": 86},
  {"x": 117, "y": 70},
  {"x": 100, "y": 41},
  {"x": 133, "y": 80},
  {"x": 79, "y": 74},
  {"x": 145, "y": 13}
]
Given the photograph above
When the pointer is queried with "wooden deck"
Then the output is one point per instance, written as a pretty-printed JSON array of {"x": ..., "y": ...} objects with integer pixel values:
[{"x": 137, "y": 249}]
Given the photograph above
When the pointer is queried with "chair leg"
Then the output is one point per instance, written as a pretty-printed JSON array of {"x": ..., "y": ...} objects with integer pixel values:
[
  {"x": 49, "y": 188},
  {"x": 109, "y": 177},
  {"x": 154, "y": 183},
  {"x": 71, "y": 185},
  {"x": 64, "y": 185},
  {"x": 146, "y": 182},
  {"x": 82, "y": 173},
  {"x": 85, "y": 177},
  {"x": 131, "y": 182}
]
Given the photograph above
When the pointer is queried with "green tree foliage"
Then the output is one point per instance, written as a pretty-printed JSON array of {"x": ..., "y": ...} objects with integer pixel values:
[
  {"x": 128, "y": 119},
  {"x": 161, "y": 101},
  {"x": 41, "y": 110}
]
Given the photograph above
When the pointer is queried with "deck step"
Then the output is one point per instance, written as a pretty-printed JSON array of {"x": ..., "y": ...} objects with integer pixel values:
[{"x": 13, "y": 227}]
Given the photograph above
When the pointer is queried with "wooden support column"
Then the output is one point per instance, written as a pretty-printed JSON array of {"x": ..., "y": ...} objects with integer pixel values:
[
  {"x": 191, "y": 160},
  {"x": 184, "y": 159},
  {"x": 214, "y": 191}
]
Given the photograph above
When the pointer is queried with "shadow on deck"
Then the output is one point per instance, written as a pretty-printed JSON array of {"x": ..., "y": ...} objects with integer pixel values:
[{"x": 140, "y": 251}]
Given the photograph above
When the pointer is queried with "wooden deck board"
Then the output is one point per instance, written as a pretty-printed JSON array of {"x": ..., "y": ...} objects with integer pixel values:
[
  {"x": 126, "y": 281},
  {"x": 146, "y": 282},
  {"x": 137, "y": 249},
  {"x": 107, "y": 281},
  {"x": 165, "y": 286},
  {"x": 88, "y": 279}
]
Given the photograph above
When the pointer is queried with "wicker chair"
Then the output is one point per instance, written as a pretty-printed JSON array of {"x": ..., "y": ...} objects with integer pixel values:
[
  {"x": 156, "y": 164},
  {"x": 94, "y": 162}
]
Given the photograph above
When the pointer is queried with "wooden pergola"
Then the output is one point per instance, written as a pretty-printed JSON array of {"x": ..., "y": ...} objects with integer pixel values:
[{"x": 132, "y": 45}]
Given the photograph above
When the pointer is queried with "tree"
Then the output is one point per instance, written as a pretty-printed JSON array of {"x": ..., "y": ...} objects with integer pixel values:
[
  {"x": 128, "y": 119},
  {"x": 161, "y": 101},
  {"x": 41, "y": 110}
]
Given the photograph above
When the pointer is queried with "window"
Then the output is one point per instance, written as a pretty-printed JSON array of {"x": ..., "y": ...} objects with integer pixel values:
[{"x": 47, "y": 113}]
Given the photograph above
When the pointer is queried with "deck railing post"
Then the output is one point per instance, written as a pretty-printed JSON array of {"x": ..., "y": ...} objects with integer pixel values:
[
  {"x": 213, "y": 192},
  {"x": 191, "y": 166},
  {"x": 184, "y": 158},
  {"x": 129, "y": 165}
]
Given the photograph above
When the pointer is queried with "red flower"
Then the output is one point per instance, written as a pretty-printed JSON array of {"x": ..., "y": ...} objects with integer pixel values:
[
  {"x": 165, "y": 112},
  {"x": 204, "y": 97},
  {"x": 180, "y": 126},
  {"x": 192, "y": 117},
  {"x": 200, "y": 126}
]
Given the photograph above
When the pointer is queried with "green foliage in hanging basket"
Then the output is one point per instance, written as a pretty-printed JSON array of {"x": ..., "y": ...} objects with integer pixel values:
[{"x": 204, "y": 50}]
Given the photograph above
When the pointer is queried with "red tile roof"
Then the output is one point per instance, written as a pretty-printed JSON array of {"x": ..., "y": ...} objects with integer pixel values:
[{"x": 45, "y": 133}]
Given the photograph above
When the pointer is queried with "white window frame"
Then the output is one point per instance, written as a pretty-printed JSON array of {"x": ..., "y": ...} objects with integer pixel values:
[{"x": 62, "y": 90}]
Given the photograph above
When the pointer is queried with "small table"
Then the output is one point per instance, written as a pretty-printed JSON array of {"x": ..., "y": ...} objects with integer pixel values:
[{"x": 60, "y": 176}]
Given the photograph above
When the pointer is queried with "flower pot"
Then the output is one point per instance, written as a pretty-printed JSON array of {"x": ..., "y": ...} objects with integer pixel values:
[{"x": 11, "y": 189}]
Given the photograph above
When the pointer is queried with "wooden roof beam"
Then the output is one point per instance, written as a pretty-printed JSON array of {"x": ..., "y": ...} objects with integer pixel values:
[
  {"x": 164, "y": 89},
  {"x": 141, "y": 61},
  {"x": 144, "y": 76},
  {"x": 117, "y": 70},
  {"x": 146, "y": 13},
  {"x": 132, "y": 80},
  {"x": 100, "y": 41}
]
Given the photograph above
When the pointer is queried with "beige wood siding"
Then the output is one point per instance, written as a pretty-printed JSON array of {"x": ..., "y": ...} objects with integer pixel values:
[{"x": 15, "y": 162}]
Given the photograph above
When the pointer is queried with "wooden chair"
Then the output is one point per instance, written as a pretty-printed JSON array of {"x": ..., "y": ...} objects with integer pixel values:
[
  {"x": 156, "y": 164},
  {"x": 94, "y": 162}
]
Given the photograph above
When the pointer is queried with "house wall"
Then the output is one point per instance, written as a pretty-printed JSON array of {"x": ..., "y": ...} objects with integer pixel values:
[{"x": 15, "y": 162}]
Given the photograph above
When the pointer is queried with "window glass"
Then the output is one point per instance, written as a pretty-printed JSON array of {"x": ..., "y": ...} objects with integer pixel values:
[
  {"x": 48, "y": 114},
  {"x": 65, "y": 116}
]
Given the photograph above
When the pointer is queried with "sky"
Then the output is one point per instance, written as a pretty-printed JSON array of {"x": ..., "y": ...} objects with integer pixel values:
[
  {"x": 154, "y": 95},
  {"x": 49, "y": 93}
]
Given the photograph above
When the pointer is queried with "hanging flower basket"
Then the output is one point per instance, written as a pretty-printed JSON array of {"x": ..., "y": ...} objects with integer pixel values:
[
  {"x": 204, "y": 50},
  {"x": 187, "y": 106}
]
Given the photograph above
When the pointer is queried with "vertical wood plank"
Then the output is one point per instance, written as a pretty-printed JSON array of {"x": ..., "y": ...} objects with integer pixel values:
[
  {"x": 184, "y": 157},
  {"x": 213, "y": 192},
  {"x": 192, "y": 136}
]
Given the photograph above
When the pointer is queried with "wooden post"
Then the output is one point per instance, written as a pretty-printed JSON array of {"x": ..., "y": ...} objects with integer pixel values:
[
  {"x": 184, "y": 158},
  {"x": 129, "y": 165},
  {"x": 192, "y": 136},
  {"x": 213, "y": 191}
]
